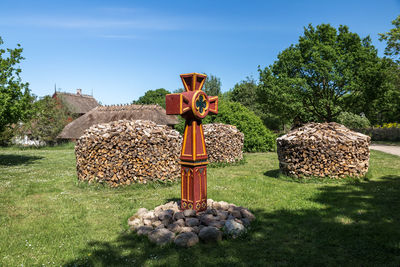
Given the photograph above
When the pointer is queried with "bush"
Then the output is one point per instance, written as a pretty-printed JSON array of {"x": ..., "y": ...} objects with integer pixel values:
[
  {"x": 353, "y": 121},
  {"x": 388, "y": 125},
  {"x": 257, "y": 138},
  {"x": 6, "y": 136}
]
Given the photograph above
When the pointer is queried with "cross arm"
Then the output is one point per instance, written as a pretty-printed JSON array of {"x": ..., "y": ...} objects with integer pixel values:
[
  {"x": 176, "y": 104},
  {"x": 213, "y": 100}
]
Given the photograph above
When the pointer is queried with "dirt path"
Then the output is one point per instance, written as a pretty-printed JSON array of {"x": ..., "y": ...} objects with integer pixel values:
[{"x": 394, "y": 150}]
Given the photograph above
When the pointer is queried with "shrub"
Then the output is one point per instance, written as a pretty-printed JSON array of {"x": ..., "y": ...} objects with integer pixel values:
[
  {"x": 257, "y": 138},
  {"x": 353, "y": 121},
  {"x": 6, "y": 135},
  {"x": 388, "y": 125}
]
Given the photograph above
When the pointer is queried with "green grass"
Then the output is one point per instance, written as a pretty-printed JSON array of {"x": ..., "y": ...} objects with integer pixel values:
[{"x": 48, "y": 218}]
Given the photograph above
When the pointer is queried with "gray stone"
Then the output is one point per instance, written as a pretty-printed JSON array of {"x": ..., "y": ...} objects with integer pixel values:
[
  {"x": 206, "y": 219},
  {"x": 224, "y": 205},
  {"x": 141, "y": 212},
  {"x": 236, "y": 213},
  {"x": 196, "y": 229},
  {"x": 189, "y": 213},
  {"x": 156, "y": 223},
  {"x": 179, "y": 215},
  {"x": 134, "y": 222},
  {"x": 149, "y": 215},
  {"x": 166, "y": 221},
  {"x": 158, "y": 210},
  {"x": 192, "y": 222},
  {"x": 223, "y": 215},
  {"x": 217, "y": 224},
  {"x": 144, "y": 230},
  {"x": 147, "y": 222},
  {"x": 180, "y": 222},
  {"x": 245, "y": 221},
  {"x": 210, "y": 234},
  {"x": 186, "y": 229},
  {"x": 208, "y": 211},
  {"x": 234, "y": 228},
  {"x": 201, "y": 227},
  {"x": 216, "y": 205},
  {"x": 175, "y": 228},
  {"x": 187, "y": 239},
  {"x": 166, "y": 214},
  {"x": 161, "y": 226},
  {"x": 209, "y": 202},
  {"x": 173, "y": 205},
  {"x": 247, "y": 214},
  {"x": 161, "y": 236}
]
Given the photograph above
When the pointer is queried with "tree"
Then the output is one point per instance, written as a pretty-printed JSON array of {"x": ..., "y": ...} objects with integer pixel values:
[
  {"x": 14, "y": 94},
  {"x": 153, "y": 97},
  {"x": 48, "y": 119},
  {"x": 392, "y": 39},
  {"x": 212, "y": 85},
  {"x": 328, "y": 71},
  {"x": 245, "y": 92}
]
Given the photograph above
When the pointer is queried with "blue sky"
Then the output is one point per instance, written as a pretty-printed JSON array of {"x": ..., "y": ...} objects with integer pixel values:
[{"x": 120, "y": 49}]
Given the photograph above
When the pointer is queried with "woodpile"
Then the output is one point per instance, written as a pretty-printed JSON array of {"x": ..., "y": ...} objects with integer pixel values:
[
  {"x": 124, "y": 152},
  {"x": 324, "y": 149},
  {"x": 224, "y": 142}
]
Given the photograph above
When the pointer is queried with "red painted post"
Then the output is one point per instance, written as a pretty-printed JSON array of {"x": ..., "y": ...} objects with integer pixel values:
[{"x": 193, "y": 105}]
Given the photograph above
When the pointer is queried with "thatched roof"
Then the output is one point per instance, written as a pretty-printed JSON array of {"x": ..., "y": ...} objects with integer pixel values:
[
  {"x": 77, "y": 103},
  {"x": 104, "y": 114}
]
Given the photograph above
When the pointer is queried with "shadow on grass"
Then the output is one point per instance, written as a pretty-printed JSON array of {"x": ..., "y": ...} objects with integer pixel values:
[
  {"x": 14, "y": 160},
  {"x": 273, "y": 173},
  {"x": 358, "y": 224}
]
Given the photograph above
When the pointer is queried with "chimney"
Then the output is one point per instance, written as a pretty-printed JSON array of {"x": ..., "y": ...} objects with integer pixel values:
[{"x": 79, "y": 91}]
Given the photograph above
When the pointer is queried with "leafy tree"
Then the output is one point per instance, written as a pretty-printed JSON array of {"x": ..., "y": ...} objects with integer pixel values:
[
  {"x": 153, "y": 97},
  {"x": 48, "y": 119},
  {"x": 212, "y": 85},
  {"x": 14, "y": 94},
  {"x": 245, "y": 92},
  {"x": 257, "y": 138},
  {"x": 392, "y": 39},
  {"x": 179, "y": 90},
  {"x": 328, "y": 71}
]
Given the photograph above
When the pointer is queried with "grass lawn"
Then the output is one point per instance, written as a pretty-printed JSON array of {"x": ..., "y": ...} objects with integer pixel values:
[{"x": 48, "y": 218}]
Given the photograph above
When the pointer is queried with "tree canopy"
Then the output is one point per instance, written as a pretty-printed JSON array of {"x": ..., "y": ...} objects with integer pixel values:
[
  {"x": 153, "y": 97},
  {"x": 328, "y": 71},
  {"x": 212, "y": 85},
  {"x": 48, "y": 118},
  {"x": 392, "y": 39},
  {"x": 14, "y": 94}
]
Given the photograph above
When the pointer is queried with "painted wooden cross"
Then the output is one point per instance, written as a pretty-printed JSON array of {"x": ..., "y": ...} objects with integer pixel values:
[{"x": 193, "y": 105}]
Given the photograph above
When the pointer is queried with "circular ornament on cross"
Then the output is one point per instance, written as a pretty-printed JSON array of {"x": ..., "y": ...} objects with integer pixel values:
[{"x": 200, "y": 104}]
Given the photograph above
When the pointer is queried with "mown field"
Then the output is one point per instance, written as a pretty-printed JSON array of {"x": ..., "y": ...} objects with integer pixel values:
[{"x": 48, "y": 218}]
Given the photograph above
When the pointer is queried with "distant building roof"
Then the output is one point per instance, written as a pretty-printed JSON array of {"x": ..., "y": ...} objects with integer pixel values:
[
  {"x": 77, "y": 103},
  {"x": 104, "y": 114}
]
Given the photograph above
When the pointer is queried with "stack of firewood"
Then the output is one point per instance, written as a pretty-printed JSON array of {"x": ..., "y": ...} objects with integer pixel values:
[
  {"x": 224, "y": 142},
  {"x": 323, "y": 149},
  {"x": 124, "y": 152}
]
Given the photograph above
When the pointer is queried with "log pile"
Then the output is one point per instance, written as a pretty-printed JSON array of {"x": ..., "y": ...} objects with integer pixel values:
[
  {"x": 224, "y": 143},
  {"x": 323, "y": 149},
  {"x": 124, "y": 152}
]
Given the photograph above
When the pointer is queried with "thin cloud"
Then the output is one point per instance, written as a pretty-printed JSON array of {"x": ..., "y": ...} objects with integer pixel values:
[
  {"x": 120, "y": 36},
  {"x": 149, "y": 23}
]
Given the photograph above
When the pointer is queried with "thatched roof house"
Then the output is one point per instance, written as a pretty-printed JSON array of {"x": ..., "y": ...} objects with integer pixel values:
[
  {"x": 76, "y": 103},
  {"x": 104, "y": 114}
]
